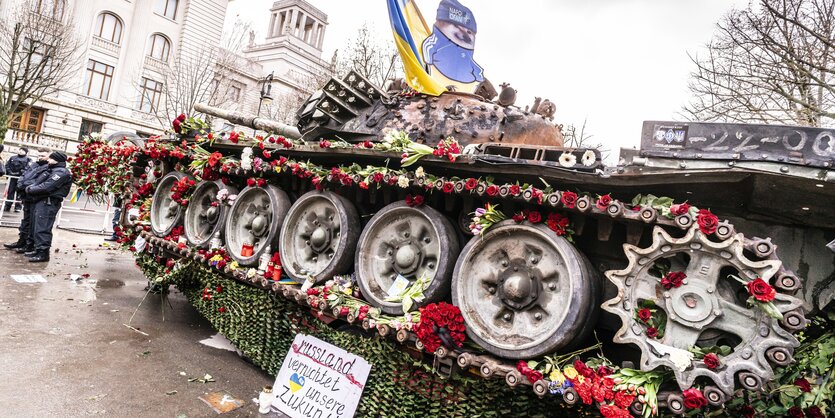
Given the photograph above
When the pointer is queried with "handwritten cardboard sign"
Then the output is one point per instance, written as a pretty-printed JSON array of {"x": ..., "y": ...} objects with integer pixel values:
[{"x": 319, "y": 380}]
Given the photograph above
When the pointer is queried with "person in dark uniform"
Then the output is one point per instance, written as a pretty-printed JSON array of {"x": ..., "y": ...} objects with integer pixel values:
[
  {"x": 15, "y": 168},
  {"x": 32, "y": 175},
  {"x": 48, "y": 195}
]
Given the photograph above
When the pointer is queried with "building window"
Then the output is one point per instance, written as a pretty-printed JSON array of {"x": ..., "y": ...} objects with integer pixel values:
[
  {"x": 167, "y": 8},
  {"x": 160, "y": 47},
  {"x": 30, "y": 120},
  {"x": 49, "y": 8},
  {"x": 109, "y": 28},
  {"x": 97, "y": 80},
  {"x": 151, "y": 92},
  {"x": 234, "y": 93},
  {"x": 34, "y": 59},
  {"x": 89, "y": 127}
]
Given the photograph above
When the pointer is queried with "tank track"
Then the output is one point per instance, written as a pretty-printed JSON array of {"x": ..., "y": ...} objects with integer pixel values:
[{"x": 296, "y": 175}]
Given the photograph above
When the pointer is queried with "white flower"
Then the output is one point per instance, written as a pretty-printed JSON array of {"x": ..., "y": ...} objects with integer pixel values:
[
  {"x": 250, "y": 273},
  {"x": 222, "y": 194},
  {"x": 568, "y": 160},
  {"x": 419, "y": 173},
  {"x": 588, "y": 158},
  {"x": 403, "y": 181},
  {"x": 231, "y": 199},
  {"x": 682, "y": 359}
]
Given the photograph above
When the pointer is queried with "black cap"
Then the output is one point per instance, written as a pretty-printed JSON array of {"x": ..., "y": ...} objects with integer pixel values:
[
  {"x": 58, "y": 156},
  {"x": 24, "y": 149}
]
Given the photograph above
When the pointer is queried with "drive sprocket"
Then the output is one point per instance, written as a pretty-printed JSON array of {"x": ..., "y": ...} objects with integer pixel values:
[{"x": 708, "y": 309}]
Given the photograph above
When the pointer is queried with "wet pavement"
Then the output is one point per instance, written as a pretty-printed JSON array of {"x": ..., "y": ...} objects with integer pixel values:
[{"x": 64, "y": 350}]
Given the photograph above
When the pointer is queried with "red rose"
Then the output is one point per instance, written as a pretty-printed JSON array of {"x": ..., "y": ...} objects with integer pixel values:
[
  {"x": 711, "y": 361},
  {"x": 623, "y": 399},
  {"x": 693, "y": 399},
  {"x": 569, "y": 199},
  {"x": 604, "y": 201},
  {"x": 221, "y": 309},
  {"x": 652, "y": 332},
  {"x": 214, "y": 158},
  {"x": 182, "y": 117},
  {"x": 803, "y": 384},
  {"x": 261, "y": 182},
  {"x": 409, "y": 200},
  {"x": 233, "y": 136},
  {"x": 644, "y": 314},
  {"x": 176, "y": 124},
  {"x": 707, "y": 221},
  {"x": 515, "y": 190},
  {"x": 492, "y": 190},
  {"x": 343, "y": 311},
  {"x": 748, "y": 411},
  {"x": 520, "y": 216},
  {"x": 471, "y": 183},
  {"x": 795, "y": 412},
  {"x": 761, "y": 290},
  {"x": 534, "y": 217},
  {"x": 250, "y": 182},
  {"x": 814, "y": 412},
  {"x": 266, "y": 154},
  {"x": 604, "y": 371},
  {"x": 418, "y": 200},
  {"x": 363, "y": 185},
  {"x": 673, "y": 279},
  {"x": 557, "y": 223},
  {"x": 377, "y": 177},
  {"x": 680, "y": 209},
  {"x": 584, "y": 391},
  {"x": 614, "y": 411},
  {"x": 448, "y": 187}
]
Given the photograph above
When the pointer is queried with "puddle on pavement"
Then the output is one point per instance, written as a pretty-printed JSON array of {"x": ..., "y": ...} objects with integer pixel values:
[{"x": 109, "y": 283}]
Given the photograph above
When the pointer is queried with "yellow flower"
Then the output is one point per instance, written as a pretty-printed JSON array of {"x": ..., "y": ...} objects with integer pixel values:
[
  {"x": 347, "y": 291},
  {"x": 233, "y": 265},
  {"x": 278, "y": 169},
  {"x": 570, "y": 372},
  {"x": 557, "y": 376}
]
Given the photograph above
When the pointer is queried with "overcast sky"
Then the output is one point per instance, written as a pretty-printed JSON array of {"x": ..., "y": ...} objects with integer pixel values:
[{"x": 615, "y": 63}]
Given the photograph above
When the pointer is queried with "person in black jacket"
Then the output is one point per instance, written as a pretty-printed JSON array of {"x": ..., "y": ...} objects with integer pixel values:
[
  {"x": 36, "y": 173},
  {"x": 14, "y": 169},
  {"x": 2, "y": 166},
  {"x": 48, "y": 195}
]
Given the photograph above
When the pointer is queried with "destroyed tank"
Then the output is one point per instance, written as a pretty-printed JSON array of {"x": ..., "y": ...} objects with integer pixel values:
[{"x": 334, "y": 201}]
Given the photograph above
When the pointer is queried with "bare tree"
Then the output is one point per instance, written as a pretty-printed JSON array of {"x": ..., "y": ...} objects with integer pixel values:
[
  {"x": 37, "y": 56},
  {"x": 372, "y": 58},
  {"x": 205, "y": 76},
  {"x": 772, "y": 62}
]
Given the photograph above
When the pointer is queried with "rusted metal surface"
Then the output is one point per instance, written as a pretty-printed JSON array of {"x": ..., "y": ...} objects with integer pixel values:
[
  {"x": 523, "y": 291},
  {"x": 403, "y": 243},
  {"x": 319, "y": 236},
  {"x": 254, "y": 220},
  {"x": 734, "y": 141},
  {"x": 205, "y": 216},
  {"x": 254, "y": 122},
  {"x": 706, "y": 311},
  {"x": 165, "y": 212},
  {"x": 343, "y": 109}
]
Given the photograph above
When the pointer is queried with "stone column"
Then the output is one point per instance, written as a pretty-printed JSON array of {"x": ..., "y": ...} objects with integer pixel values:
[
  {"x": 294, "y": 15},
  {"x": 321, "y": 35},
  {"x": 271, "y": 28}
]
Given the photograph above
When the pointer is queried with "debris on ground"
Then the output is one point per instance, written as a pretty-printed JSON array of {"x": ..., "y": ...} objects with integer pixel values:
[{"x": 221, "y": 402}]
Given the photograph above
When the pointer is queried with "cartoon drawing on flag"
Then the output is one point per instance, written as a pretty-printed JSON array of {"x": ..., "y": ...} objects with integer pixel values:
[
  {"x": 448, "y": 51},
  {"x": 441, "y": 58}
]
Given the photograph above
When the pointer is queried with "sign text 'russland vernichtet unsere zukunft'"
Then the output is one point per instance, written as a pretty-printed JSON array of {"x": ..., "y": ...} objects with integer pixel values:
[{"x": 319, "y": 380}]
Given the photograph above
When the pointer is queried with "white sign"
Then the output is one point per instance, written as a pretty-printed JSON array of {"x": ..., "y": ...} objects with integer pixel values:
[
  {"x": 319, "y": 380},
  {"x": 28, "y": 278}
]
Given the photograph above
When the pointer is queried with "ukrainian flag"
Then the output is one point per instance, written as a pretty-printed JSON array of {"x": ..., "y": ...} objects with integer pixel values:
[
  {"x": 409, "y": 32},
  {"x": 76, "y": 196}
]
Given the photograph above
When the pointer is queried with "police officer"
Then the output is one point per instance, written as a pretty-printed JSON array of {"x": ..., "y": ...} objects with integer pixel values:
[
  {"x": 48, "y": 195},
  {"x": 36, "y": 173},
  {"x": 15, "y": 168}
]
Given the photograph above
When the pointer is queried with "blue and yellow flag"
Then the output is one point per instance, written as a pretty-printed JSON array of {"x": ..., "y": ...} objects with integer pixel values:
[
  {"x": 76, "y": 196},
  {"x": 410, "y": 30}
]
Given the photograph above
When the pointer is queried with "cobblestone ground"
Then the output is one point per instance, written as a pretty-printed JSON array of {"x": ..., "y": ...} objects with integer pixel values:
[{"x": 65, "y": 352}]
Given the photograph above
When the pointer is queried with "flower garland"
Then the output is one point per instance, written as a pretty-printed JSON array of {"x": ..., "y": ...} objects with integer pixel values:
[
  {"x": 100, "y": 168},
  {"x": 181, "y": 190}
]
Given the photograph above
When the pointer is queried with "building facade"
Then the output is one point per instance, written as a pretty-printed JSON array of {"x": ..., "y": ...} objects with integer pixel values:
[{"x": 125, "y": 47}]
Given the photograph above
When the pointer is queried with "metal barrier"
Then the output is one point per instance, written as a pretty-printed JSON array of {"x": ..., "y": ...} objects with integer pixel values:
[{"x": 83, "y": 215}]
